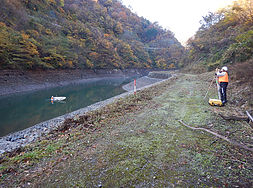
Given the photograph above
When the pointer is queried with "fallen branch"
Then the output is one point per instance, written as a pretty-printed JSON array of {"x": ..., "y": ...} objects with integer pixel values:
[
  {"x": 219, "y": 136},
  {"x": 250, "y": 117},
  {"x": 237, "y": 118}
]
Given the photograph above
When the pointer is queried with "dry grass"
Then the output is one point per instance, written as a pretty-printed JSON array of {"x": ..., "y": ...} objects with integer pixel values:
[
  {"x": 241, "y": 76},
  {"x": 243, "y": 72}
]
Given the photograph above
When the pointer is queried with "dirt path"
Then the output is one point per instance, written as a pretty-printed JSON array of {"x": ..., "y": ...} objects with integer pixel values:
[{"x": 142, "y": 145}]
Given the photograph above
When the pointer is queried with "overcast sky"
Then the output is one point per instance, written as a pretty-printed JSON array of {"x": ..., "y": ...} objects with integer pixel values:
[{"x": 179, "y": 16}]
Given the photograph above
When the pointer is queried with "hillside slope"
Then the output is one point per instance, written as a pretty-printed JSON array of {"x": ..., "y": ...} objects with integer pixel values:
[
  {"x": 53, "y": 34},
  {"x": 224, "y": 38}
]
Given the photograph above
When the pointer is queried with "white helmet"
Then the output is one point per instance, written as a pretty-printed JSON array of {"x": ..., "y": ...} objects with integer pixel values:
[{"x": 224, "y": 68}]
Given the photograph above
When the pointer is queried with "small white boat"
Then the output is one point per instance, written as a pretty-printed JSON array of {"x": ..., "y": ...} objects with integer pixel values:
[{"x": 57, "y": 98}]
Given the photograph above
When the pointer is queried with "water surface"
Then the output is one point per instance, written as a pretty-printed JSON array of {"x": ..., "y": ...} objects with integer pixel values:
[{"x": 21, "y": 111}]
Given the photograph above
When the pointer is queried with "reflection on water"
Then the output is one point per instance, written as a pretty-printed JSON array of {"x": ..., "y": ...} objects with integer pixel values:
[{"x": 18, "y": 112}]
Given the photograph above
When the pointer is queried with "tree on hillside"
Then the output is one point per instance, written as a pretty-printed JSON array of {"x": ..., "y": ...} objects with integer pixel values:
[
  {"x": 224, "y": 36},
  {"x": 240, "y": 12},
  {"x": 59, "y": 34}
]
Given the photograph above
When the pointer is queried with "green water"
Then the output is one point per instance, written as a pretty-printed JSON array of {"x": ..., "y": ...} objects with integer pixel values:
[{"x": 21, "y": 111}]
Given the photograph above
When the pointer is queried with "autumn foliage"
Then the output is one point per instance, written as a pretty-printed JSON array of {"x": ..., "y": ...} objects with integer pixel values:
[
  {"x": 53, "y": 34},
  {"x": 225, "y": 37}
]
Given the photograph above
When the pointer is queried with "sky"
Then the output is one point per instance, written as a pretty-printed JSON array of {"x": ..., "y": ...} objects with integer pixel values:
[{"x": 179, "y": 16}]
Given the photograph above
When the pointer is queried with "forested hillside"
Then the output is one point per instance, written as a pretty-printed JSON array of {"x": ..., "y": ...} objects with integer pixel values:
[
  {"x": 225, "y": 38},
  {"x": 57, "y": 34}
]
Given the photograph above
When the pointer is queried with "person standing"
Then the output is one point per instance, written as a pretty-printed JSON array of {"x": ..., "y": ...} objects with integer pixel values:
[{"x": 223, "y": 82}]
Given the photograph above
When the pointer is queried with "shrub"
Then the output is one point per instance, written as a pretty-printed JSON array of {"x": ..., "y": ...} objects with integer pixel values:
[{"x": 243, "y": 72}]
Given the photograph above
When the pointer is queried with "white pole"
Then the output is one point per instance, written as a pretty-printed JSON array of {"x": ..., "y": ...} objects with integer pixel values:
[
  {"x": 218, "y": 87},
  {"x": 134, "y": 86}
]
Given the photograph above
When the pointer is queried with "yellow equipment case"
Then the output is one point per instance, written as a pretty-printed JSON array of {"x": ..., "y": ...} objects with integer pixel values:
[{"x": 215, "y": 102}]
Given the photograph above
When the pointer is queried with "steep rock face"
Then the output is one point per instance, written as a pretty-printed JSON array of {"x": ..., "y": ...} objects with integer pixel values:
[{"x": 66, "y": 34}]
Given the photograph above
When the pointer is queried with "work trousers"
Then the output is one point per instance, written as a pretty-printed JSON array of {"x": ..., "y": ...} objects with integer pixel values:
[{"x": 223, "y": 91}]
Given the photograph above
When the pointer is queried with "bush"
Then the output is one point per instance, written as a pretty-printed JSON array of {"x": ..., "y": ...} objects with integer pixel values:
[
  {"x": 240, "y": 51},
  {"x": 243, "y": 72},
  {"x": 213, "y": 66}
]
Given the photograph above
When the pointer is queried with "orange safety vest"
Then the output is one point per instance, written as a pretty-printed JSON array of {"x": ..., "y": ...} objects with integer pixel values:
[{"x": 223, "y": 78}]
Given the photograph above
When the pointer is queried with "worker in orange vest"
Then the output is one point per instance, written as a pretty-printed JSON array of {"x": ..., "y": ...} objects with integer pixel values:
[{"x": 222, "y": 76}]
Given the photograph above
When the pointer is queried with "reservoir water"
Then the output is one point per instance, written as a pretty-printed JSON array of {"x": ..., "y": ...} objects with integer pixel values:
[{"x": 20, "y": 111}]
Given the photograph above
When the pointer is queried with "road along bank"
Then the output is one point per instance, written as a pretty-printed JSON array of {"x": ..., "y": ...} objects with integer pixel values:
[
  {"x": 138, "y": 141},
  {"x": 24, "y": 137}
]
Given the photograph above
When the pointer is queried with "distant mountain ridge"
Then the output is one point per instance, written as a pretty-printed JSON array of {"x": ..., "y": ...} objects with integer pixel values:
[{"x": 66, "y": 34}]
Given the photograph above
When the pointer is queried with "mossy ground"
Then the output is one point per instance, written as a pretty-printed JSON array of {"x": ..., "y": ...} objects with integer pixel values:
[{"x": 138, "y": 142}]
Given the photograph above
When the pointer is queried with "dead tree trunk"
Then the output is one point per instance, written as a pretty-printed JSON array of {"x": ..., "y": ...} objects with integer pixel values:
[{"x": 236, "y": 118}]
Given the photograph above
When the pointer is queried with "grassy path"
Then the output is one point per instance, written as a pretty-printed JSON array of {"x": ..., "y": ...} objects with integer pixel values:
[{"x": 138, "y": 142}]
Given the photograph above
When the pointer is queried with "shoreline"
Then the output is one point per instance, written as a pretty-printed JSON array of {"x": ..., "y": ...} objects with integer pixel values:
[
  {"x": 141, "y": 82},
  {"x": 21, "y": 138},
  {"x": 15, "y": 81}
]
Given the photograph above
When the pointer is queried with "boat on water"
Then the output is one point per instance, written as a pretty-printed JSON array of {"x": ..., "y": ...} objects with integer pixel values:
[{"x": 57, "y": 98}]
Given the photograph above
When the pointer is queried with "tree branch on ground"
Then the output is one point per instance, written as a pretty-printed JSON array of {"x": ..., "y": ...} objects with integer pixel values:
[
  {"x": 219, "y": 136},
  {"x": 236, "y": 118}
]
